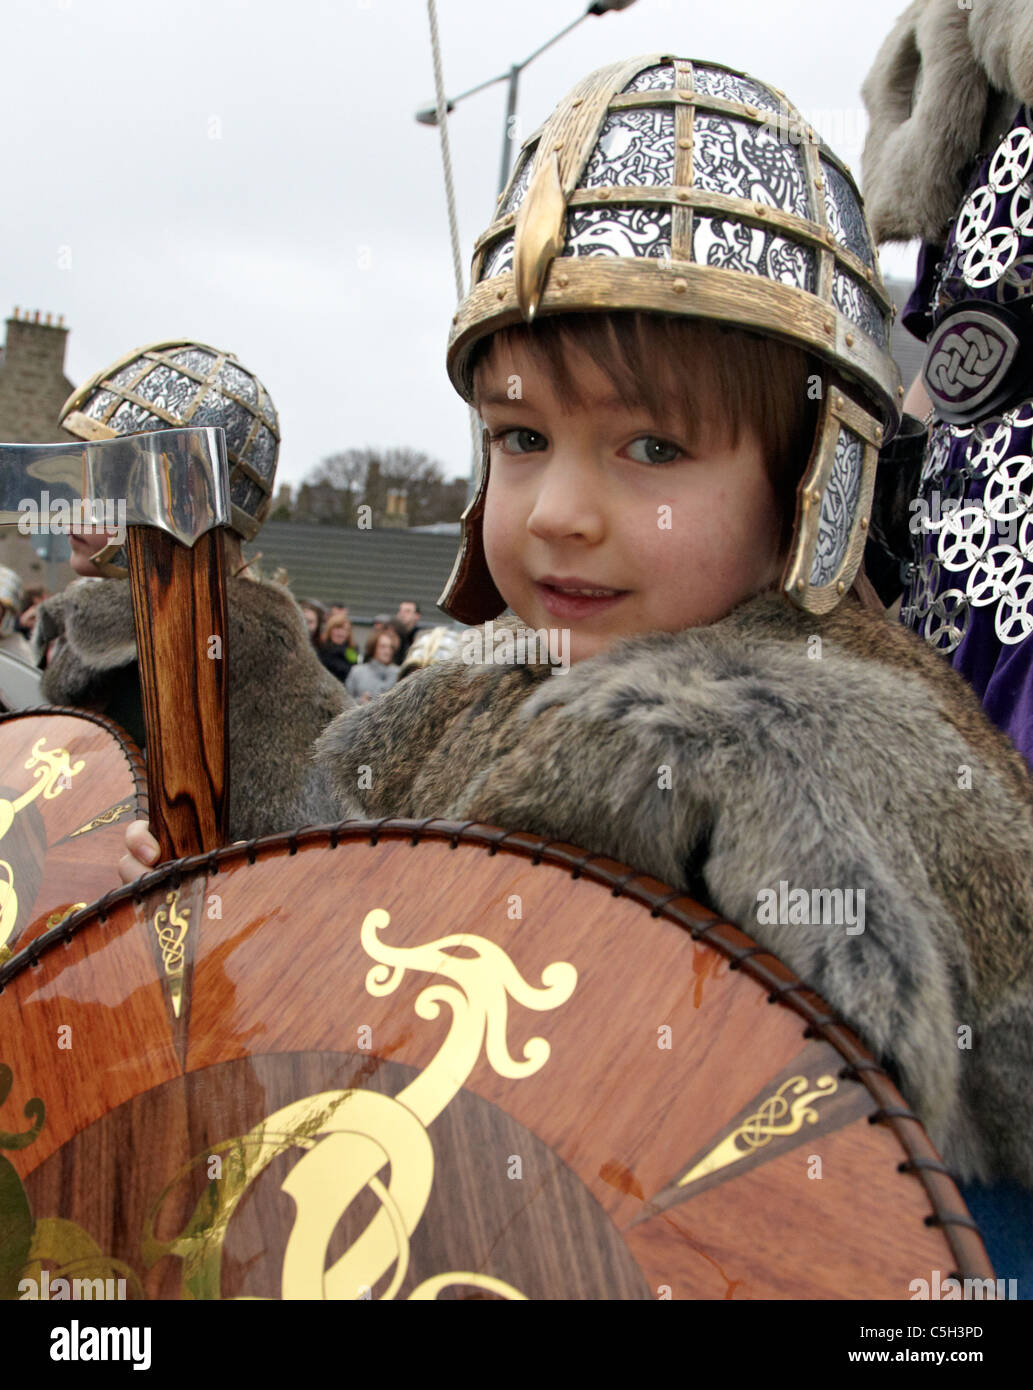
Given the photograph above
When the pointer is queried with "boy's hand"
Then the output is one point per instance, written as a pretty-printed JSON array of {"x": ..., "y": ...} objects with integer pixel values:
[{"x": 141, "y": 852}]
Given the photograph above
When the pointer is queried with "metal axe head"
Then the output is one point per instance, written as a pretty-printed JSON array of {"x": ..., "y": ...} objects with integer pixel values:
[{"x": 176, "y": 480}]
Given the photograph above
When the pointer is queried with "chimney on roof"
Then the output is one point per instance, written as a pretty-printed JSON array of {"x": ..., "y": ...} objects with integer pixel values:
[{"x": 33, "y": 386}]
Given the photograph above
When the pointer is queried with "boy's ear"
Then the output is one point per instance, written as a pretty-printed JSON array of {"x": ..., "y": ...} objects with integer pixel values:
[{"x": 470, "y": 596}]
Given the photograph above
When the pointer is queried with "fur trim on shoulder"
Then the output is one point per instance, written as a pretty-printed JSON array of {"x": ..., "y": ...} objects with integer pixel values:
[
  {"x": 281, "y": 696},
  {"x": 96, "y": 619},
  {"x": 920, "y": 144},
  {"x": 1001, "y": 32},
  {"x": 413, "y": 746},
  {"x": 93, "y": 624}
]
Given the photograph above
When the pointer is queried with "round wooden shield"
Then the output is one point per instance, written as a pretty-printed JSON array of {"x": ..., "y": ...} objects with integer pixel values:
[
  {"x": 420, "y": 1060},
  {"x": 70, "y": 782}
]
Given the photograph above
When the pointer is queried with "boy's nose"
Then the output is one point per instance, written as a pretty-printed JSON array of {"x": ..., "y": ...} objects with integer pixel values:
[{"x": 569, "y": 501}]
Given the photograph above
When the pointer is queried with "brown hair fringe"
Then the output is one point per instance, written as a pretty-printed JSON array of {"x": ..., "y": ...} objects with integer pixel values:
[{"x": 700, "y": 377}]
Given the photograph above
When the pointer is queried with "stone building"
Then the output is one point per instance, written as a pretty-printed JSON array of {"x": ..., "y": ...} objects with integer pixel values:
[
  {"x": 33, "y": 388},
  {"x": 33, "y": 385}
]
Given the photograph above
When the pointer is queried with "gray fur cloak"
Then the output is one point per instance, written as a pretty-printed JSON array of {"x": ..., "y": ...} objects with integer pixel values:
[
  {"x": 280, "y": 695},
  {"x": 860, "y": 760},
  {"x": 945, "y": 84}
]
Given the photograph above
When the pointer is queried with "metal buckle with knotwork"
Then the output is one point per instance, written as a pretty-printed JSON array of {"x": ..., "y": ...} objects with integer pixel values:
[{"x": 979, "y": 359}]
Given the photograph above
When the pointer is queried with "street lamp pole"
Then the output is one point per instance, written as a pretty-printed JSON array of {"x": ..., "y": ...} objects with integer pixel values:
[
  {"x": 507, "y": 129},
  {"x": 429, "y": 115}
]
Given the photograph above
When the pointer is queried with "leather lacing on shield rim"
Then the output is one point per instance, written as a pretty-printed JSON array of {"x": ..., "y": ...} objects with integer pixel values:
[{"x": 784, "y": 988}]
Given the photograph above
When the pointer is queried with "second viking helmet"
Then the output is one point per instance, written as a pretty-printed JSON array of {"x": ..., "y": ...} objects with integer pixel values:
[
  {"x": 682, "y": 187},
  {"x": 170, "y": 385}
]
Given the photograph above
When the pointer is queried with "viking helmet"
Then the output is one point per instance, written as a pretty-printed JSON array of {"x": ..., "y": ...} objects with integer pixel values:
[
  {"x": 680, "y": 187},
  {"x": 171, "y": 385}
]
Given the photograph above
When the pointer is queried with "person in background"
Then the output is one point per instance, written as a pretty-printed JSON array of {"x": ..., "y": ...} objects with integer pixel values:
[
  {"x": 31, "y": 601},
  {"x": 336, "y": 648},
  {"x": 315, "y": 618},
  {"x": 380, "y": 623},
  {"x": 11, "y": 640},
  {"x": 948, "y": 160},
  {"x": 406, "y": 623},
  {"x": 377, "y": 673},
  {"x": 383, "y": 623}
]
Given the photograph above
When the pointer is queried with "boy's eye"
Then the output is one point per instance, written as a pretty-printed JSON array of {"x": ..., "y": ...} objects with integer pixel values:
[
  {"x": 520, "y": 441},
  {"x": 651, "y": 449}
]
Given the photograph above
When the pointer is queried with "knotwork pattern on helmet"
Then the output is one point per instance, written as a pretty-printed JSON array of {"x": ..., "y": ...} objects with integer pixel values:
[
  {"x": 635, "y": 148},
  {"x": 837, "y": 507}
]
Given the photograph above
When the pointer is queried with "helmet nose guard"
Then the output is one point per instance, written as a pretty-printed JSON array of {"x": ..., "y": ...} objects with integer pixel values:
[{"x": 681, "y": 187}]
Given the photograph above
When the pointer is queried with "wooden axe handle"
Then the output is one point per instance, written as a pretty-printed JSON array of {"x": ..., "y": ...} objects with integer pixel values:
[{"x": 179, "y": 609}]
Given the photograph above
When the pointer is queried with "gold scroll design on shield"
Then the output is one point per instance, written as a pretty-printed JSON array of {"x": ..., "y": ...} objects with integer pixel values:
[
  {"x": 171, "y": 927},
  {"x": 778, "y": 1117},
  {"x": 53, "y": 775},
  {"x": 349, "y": 1137}
]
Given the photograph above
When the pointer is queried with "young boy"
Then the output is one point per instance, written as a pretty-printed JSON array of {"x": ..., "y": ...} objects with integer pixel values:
[{"x": 678, "y": 348}]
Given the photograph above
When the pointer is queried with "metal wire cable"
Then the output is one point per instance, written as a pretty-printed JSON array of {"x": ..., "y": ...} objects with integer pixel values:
[
  {"x": 453, "y": 221},
  {"x": 446, "y": 156}
]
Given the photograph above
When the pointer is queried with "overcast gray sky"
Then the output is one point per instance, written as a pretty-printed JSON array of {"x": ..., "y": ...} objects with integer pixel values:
[{"x": 250, "y": 174}]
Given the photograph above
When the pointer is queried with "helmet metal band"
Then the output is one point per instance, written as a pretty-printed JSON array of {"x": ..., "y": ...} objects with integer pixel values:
[{"x": 676, "y": 187}]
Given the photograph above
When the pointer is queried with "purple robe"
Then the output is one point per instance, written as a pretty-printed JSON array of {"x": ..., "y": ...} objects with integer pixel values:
[{"x": 971, "y": 588}]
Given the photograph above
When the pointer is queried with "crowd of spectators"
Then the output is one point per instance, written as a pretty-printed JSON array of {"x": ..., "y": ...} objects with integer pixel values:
[{"x": 374, "y": 670}]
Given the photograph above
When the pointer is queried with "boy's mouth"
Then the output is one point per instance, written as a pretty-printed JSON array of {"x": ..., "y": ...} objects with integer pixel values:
[{"x": 576, "y": 597}]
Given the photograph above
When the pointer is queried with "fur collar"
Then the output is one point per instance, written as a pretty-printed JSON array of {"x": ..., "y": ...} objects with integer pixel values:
[
  {"x": 454, "y": 714},
  {"x": 94, "y": 620},
  {"x": 1001, "y": 33},
  {"x": 920, "y": 144}
]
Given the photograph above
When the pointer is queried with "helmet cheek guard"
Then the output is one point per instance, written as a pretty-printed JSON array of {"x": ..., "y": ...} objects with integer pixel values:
[
  {"x": 686, "y": 188},
  {"x": 470, "y": 592}
]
